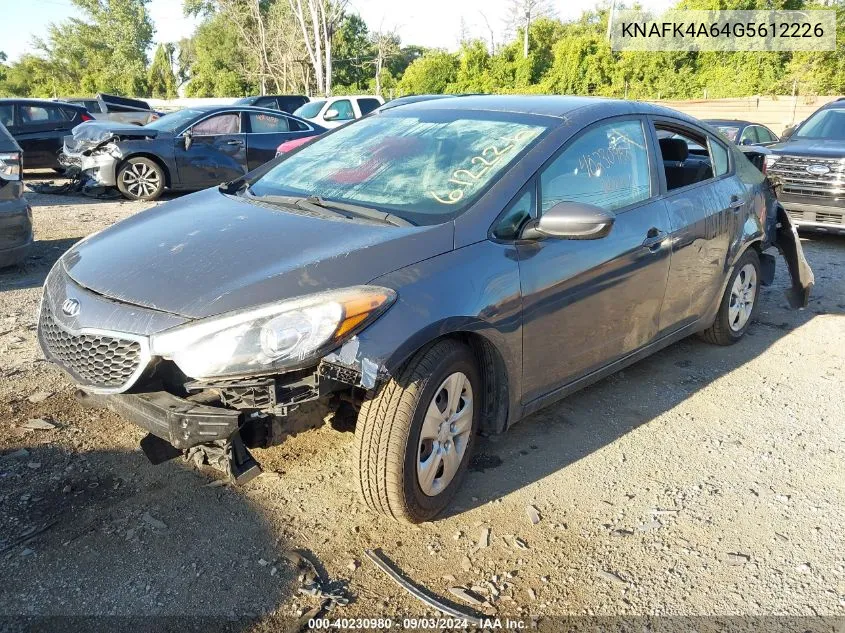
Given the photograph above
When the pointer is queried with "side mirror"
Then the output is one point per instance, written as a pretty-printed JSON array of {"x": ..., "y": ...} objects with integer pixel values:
[
  {"x": 189, "y": 139},
  {"x": 570, "y": 221},
  {"x": 331, "y": 114}
]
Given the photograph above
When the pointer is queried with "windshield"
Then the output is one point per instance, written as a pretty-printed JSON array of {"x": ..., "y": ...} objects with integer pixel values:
[
  {"x": 827, "y": 124},
  {"x": 309, "y": 110},
  {"x": 424, "y": 170},
  {"x": 175, "y": 120}
]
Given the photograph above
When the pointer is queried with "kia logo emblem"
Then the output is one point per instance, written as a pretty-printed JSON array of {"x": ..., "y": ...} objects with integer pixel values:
[
  {"x": 818, "y": 170},
  {"x": 70, "y": 307}
]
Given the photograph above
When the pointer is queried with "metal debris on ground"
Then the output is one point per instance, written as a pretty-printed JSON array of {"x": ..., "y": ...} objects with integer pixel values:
[
  {"x": 314, "y": 584},
  {"x": 381, "y": 562},
  {"x": 76, "y": 184},
  {"x": 467, "y": 596},
  {"x": 38, "y": 424},
  {"x": 484, "y": 538}
]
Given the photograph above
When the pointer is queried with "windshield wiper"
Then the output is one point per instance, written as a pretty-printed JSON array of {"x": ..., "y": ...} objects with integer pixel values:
[{"x": 353, "y": 210}]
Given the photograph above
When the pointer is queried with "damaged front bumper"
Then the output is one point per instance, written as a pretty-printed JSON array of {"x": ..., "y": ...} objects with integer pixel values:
[
  {"x": 789, "y": 244},
  {"x": 99, "y": 165}
]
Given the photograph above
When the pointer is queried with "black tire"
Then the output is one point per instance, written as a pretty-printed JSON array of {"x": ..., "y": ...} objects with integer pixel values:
[
  {"x": 722, "y": 332},
  {"x": 387, "y": 435},
  {"x": 140, "y": 178}
]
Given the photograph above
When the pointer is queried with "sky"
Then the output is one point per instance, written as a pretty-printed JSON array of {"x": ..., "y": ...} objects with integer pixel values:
[{"x": 431, "y": 23}]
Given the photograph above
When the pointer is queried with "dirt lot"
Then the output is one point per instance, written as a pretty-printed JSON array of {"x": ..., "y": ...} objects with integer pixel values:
[{"x": 701, "y": 481}]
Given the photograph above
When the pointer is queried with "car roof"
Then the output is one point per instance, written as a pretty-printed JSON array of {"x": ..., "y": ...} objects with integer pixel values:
[
  {"x": 730, "y": 122},
  {"x": 545, "y": 105},
  {"x": 35, "y": 102}
]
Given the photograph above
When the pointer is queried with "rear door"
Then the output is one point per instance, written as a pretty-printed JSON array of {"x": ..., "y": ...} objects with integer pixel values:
[
  {"x": 703, "y": 198},
  {"x": 216, "y": 153},
  {"x": 587, "y": 303},
  {"x": 40, "y": 129},
  {"x": 265, "y": 131}
]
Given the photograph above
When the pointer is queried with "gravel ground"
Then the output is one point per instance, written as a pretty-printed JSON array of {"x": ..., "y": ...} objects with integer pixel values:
[{"x": 701, "y": 481}]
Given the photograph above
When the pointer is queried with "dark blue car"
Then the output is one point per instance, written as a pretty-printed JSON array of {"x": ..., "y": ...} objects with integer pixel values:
[{"x": 428, "y": 272}]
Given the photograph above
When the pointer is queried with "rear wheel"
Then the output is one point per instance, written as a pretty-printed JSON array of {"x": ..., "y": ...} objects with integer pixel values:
[
  {"x": 414, "y": 437},
  {"x": 739, "y": 304},
  {"x": 140, "y": 179}
]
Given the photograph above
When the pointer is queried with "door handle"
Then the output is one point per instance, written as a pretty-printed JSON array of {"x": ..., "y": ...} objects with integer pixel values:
[
  {"x": 737, "y": 203},
  {"x": 654, "y": 238},
  {"x": 234, "y": 142}
]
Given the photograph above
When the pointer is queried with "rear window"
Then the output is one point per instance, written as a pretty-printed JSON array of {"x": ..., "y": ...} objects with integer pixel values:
[
  {"x": 290, "y": 104},
  {"x": 423, "y": 169},
  {"x": 34, "y": 114},
  {"x": 310, "y": 110}
]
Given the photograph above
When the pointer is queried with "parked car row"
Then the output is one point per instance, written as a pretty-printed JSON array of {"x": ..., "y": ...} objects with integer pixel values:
[{"x": 15, "y": 214}]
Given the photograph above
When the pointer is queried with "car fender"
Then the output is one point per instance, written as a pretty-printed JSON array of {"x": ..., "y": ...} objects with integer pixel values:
[{"x": 474, "y": 290}]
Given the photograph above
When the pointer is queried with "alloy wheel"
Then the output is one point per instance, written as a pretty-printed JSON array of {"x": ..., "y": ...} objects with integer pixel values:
[
  {"x": 141, "y": 180},
  {"x": 445, "y": 434},
  {"x": 743, "y": 296}
]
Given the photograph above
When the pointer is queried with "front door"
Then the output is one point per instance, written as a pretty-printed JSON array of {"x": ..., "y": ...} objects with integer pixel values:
[
  {"x": 216, "y": 152},
  {"x": 587, "y": 303}
]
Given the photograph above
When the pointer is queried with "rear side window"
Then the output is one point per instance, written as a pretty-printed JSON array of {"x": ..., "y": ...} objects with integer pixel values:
[
  {"x": 297, "y": 126},
  {"x": 606, "y": 167},
  {"x": 31, "y": 114},
  {"x": 7, "y": 114},
  {"x": 367, "y": 105},
  {"x": 720, "y": 158},
  {"x": 686, "y": 159},
  {"x": 261, "y": 123},
  {"x": 221, "y": 124}
]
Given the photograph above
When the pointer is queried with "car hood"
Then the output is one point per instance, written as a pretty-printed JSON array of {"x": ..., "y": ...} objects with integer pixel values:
[
  {"x": 93, "y": 133},
  {"x": 209, "y": 253},
  {"x": 815, "y": 148}
]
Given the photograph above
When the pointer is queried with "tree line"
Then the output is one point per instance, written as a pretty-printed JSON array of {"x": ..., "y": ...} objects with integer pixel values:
[{"x": 246, "y": 47}]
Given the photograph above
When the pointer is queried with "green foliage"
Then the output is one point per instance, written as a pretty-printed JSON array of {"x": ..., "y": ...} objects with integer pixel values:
[
  {"x": 215, "y": 69},
  {"x": 430, "y": 74},
  {"x": 352, "y": 51},
  {"x": 161, "y": 80}
]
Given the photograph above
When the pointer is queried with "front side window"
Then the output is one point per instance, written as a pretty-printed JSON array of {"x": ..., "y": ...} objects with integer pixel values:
[
  {"x": 426, "y": 168},
  {"x": 606, "y": 167},
  {"x": 221, "y": 124},
  {"x": 765, "y": 135},
  {"x": 749, "y": 136},
  {"x": 261, "y": 123},
  {"x": 344, "y": 110}
]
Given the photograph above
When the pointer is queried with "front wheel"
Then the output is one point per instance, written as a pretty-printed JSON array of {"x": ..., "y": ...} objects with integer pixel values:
[
  {"x": 414, "y": 436},
  {"x": 140, "y": 179},
  {"x": 739, "y": 303}
]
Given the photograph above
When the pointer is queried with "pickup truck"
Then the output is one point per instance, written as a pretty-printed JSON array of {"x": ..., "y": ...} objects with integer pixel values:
[{"x": 105, "y": 107}]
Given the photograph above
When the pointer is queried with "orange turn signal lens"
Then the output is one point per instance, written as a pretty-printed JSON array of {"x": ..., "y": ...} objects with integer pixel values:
[{"x": 356, "y": 310}]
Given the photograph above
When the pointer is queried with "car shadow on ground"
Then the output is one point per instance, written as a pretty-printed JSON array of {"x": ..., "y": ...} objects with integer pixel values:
[
  {"x": 32, "y": 272},
  {"x": 100, "y": 533},
  {"x": 565, "y": 432}
]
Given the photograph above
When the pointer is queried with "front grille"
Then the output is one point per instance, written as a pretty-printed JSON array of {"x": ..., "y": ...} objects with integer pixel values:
[
  {"x": 95, "y": 360},
  {"x": 792, "y": 172},
  {"x": 830, "y": 218}
]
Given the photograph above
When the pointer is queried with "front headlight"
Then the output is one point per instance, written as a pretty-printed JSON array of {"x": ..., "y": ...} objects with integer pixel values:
[
  {"x": 770, "y": 160},
  {"x": 271, "y": 337}
]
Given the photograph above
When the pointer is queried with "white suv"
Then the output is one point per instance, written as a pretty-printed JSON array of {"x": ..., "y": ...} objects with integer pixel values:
[{"x": 334, "y": 111}]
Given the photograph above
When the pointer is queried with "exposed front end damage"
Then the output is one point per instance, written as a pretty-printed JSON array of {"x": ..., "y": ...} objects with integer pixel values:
[
  {"x": 105, "y": 347},
  {"x": 93, "y": 151}
]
